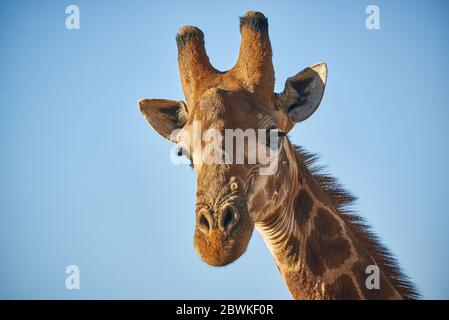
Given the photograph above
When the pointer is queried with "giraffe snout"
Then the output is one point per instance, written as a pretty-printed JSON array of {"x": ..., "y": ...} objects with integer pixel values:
[{"x": 223, "y": 225}]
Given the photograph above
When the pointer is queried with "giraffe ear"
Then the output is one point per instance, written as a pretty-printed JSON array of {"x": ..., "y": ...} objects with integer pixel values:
[
  {"x": 303, "y": 92},
  {"x": 164, "y": 116}
]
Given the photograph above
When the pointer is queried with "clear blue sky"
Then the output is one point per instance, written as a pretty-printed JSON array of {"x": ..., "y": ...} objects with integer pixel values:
[{"x": 85, "y": 180}]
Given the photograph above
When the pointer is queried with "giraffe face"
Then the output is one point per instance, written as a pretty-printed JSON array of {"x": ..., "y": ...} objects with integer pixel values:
[
  {"x": 236, "y": 133},
  {"x": 218, "y": 106},
  {"x": 230, "y": 138}
]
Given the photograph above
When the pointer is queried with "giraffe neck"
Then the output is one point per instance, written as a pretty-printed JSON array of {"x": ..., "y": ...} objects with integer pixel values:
[{"x": 315, "y": 251}]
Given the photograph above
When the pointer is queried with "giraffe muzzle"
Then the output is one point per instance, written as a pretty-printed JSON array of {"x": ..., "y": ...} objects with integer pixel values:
[{"x": 224, "y": 220}]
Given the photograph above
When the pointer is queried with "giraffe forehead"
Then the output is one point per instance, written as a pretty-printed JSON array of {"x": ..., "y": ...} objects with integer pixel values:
[{"x": 220, "y": 108}]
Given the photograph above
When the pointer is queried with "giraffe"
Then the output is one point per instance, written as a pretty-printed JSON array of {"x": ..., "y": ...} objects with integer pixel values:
[{"x": 321, "y": 248}]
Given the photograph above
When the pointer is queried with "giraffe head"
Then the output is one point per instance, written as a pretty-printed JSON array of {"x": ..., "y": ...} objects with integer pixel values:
[{"x": 243, "y": 99}]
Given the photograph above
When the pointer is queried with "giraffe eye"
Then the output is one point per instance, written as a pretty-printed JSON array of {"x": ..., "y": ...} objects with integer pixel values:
[
  {"x": 281, "y": 134},
  {"x": 274, "y": 138}
]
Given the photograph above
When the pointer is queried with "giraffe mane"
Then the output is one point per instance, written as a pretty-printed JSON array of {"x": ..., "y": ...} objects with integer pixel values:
[{"x": 344, "y": 201}]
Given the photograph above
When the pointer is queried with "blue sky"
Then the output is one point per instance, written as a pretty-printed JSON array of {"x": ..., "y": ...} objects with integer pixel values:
[{"x": 85, "y": 181}]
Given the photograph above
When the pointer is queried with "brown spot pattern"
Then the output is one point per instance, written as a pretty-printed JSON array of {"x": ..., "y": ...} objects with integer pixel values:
[
  {"x": 323, "y": 252},
  {"x": 326, "y": 223},
  {"x": 303, "y": 205},
  {"x": 343, "y": 288},
  {"x": 313, "y": 260}
]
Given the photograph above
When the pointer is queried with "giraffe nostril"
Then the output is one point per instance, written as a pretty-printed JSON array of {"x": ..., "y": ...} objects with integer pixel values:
[
  {"x": 229, "y": 218},
  {"x": 204, "y": 221}
]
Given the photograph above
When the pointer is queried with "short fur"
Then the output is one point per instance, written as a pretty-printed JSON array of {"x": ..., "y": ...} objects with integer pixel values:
[{"x": 344, "y": 203}]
